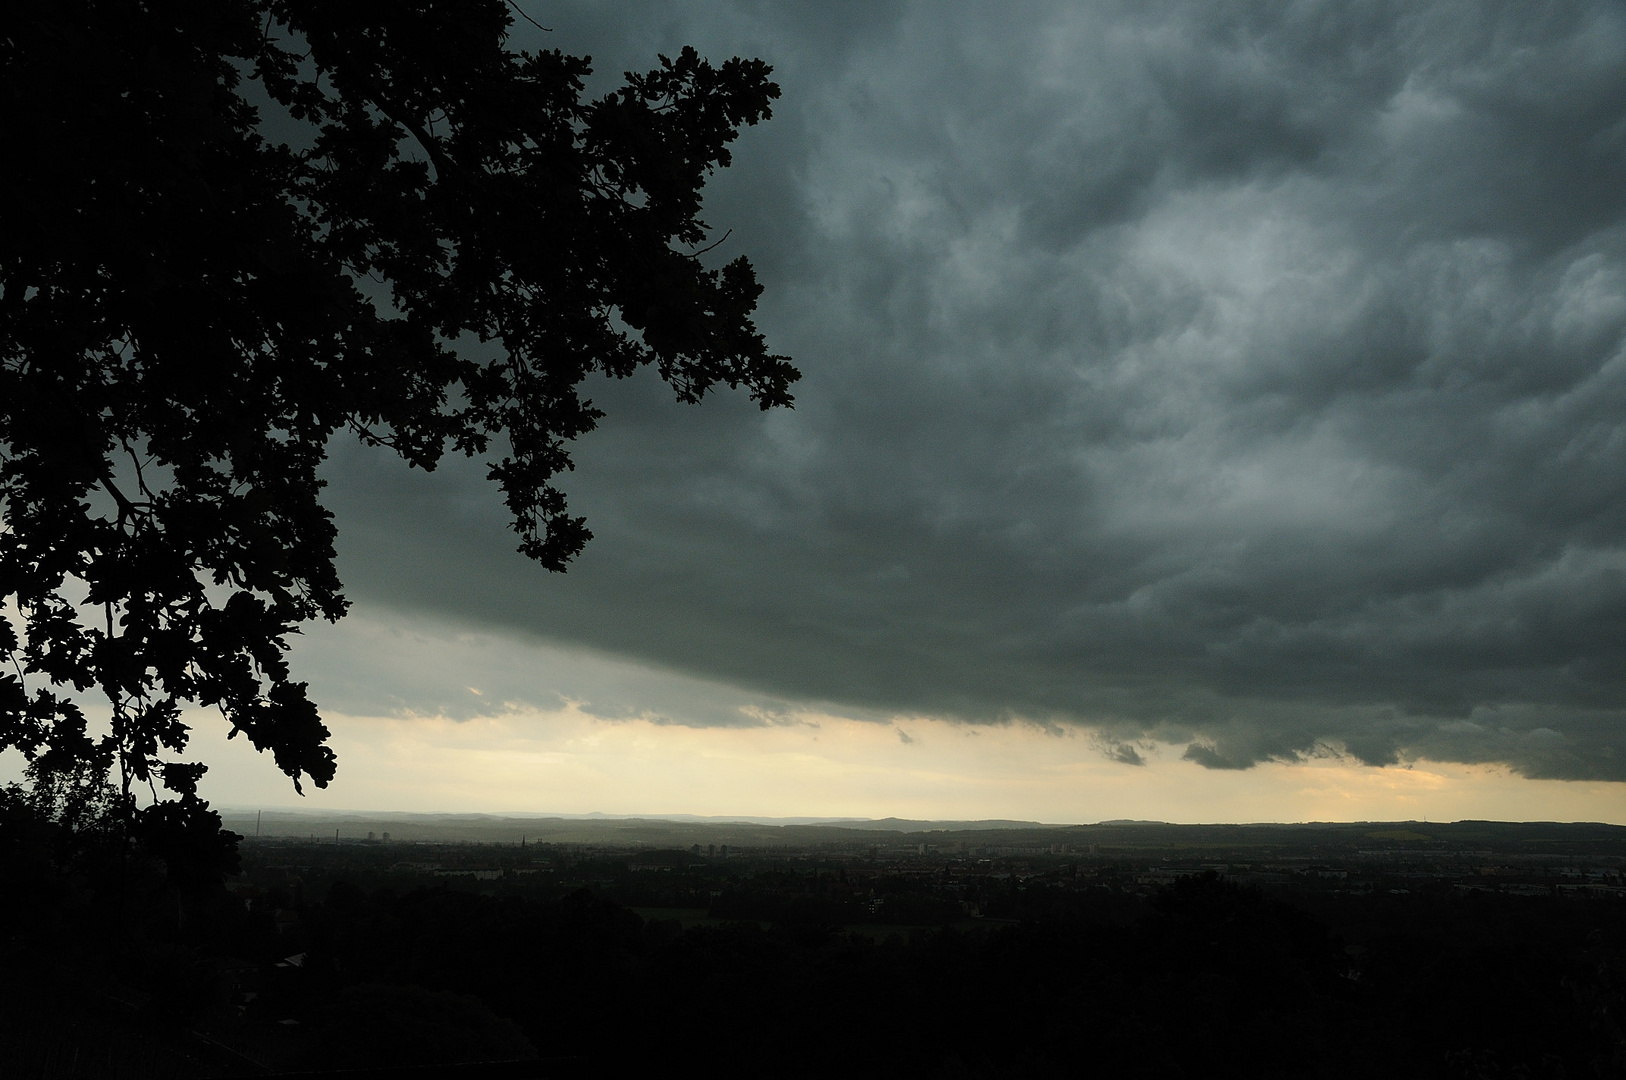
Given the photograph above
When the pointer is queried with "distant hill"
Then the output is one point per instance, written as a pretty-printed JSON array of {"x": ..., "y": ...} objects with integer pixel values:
[
  {"x": 683, "y": 831},
  {"x": 674, "y": 831}
]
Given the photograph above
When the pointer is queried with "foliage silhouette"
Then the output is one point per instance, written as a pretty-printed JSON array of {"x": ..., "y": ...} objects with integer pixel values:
[{"x": 235, "y": 229}]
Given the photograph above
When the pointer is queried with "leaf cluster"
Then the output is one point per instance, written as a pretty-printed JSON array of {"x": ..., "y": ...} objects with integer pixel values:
[{"x": 234, "y": 230}]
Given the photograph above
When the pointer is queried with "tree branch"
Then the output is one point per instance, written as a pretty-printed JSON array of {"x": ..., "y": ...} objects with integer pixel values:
[{"x": 521, "y": 13}]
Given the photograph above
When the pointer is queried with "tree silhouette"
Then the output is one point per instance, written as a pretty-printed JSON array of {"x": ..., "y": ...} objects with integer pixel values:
[{"x": 231, "y": 230}]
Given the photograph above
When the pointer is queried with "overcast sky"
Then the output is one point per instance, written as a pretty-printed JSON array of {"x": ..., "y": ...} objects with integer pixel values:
[{"x": 1215, "y": 384}]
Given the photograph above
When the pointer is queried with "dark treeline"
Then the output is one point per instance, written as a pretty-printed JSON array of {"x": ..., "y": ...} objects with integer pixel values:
[
  {"x": 1204, "y": 974},
  {"x": 116, "y": 965}
]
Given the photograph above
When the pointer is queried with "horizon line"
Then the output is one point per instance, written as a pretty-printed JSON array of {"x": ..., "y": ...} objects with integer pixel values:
[{"x": 769, "y": 820}]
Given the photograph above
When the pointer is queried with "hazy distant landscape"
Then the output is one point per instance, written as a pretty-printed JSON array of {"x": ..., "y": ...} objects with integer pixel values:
[{"x": 1536, "y": 839}]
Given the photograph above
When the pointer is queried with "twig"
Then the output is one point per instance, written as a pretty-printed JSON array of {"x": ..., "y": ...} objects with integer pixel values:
[
  {"x": 527, "y": 18},
  {"x": 703, "y": 250}
]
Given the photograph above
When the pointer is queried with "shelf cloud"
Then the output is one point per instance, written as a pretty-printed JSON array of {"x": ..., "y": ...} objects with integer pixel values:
[{"x": 1247, "y": 378}]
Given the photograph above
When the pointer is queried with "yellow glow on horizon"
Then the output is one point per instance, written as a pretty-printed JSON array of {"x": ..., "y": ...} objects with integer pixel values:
[{"x": 824, "y": 766}]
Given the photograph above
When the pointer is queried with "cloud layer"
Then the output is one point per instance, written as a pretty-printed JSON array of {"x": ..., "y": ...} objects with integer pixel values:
[{"x": 1246, "y": 377}]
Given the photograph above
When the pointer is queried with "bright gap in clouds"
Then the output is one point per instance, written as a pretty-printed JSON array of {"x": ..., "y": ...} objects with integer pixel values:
[
  {"x": 593, "y": 749},
  {"x": 568, "y": 762}
]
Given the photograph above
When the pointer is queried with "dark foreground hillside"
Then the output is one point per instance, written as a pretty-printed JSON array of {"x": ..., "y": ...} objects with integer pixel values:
[{"x": 311, "y": 961}]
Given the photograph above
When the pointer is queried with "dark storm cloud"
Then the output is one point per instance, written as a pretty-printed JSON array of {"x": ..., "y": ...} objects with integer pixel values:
[
  {"x": 1247, "y": 377},
  {"x": 412, "y": 668}
]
